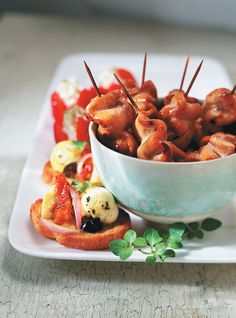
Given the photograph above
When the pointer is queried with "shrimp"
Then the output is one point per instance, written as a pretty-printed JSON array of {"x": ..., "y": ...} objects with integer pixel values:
[
  {"x": 152, "y": 134},
  {"x": 219, "y": 109},
  {"x": 182, "y": 117},
  {"x": 215, "y": 146},
  {"x": 125, "y": 143},
  {"x": 112, "y": 115}
]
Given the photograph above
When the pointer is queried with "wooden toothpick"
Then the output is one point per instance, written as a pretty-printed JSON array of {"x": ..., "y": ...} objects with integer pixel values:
[
  {"x": 92, "y": 79},
  {"x": 233, "y": 90},
  {"x": 144, "y": 68},
  {"x": 124, "y": 89},
  {"x": 184, "y": 73},
  {"x": 193, "y": 79}
]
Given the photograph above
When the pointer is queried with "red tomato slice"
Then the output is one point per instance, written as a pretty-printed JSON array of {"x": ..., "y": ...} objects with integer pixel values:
[
  {"x": 85, "y": 96},
  {"x": 58, "y": 107},
  {"x": 59, "y": 134},
  {"x": 63, "y": 210},
  {"x": 113, "y": 87},
  {"x": 125, "y": 75},
  {"x": 82, "y": 129}
]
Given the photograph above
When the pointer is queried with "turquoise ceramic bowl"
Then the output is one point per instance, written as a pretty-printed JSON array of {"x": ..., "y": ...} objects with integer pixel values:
[{"x": 165, "y": 192}]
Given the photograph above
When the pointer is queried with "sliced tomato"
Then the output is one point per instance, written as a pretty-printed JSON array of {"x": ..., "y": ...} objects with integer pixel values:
[
  {"x": 63, "y": 210},
  {"x": 59, "y": 134},
  {"x": 86, "y": 171},
  {"x": 125, "y": 75},
  {"x": 82, "y": 129},
  {"x": 85, "y": 97},
  {"x": 58, "y": 107},
  {"x": 113, "y": 87}
]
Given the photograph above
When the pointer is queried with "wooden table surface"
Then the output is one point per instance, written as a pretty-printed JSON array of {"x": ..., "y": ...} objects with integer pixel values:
[{"x": 30, "y": 48}]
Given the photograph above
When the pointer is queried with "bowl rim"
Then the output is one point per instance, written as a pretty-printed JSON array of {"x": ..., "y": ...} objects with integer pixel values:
[{"x": 92, "y": 133}]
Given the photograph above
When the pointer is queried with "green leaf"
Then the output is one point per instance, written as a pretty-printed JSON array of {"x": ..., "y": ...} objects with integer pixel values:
[
  {"x": 160, "y": 248},
  {"x": 151, "y": 259},
  {"x": 80, "y": 144},
  {"x": 193, "y": 226},
  {"x": 175, "y": 237},
  {"x": 190, "y": 235},
  {"x": 84, "y": 186},
  {"x": 117, "y": 245},
  {"x": 75, "y": 183},
  {"x": 80, "y": 186},
  {"x": 210, "y": 224},
  {"x": 168, "y": 253},
  {"x": 174, "y": 244},
  {"x": 140, "y": 242},
  {"x": 163, "y": 233},
  {"x": 125, "y": 253},
  {"x": 130, "y": 236},
  {"x": 199, "y": 234},
  {"x": 177, "y": 229},
  {"x": 152, "y": 237}
]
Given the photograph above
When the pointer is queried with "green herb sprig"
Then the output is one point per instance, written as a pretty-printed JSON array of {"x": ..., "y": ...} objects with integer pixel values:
[
  {"x": 80, "y": 186},
  {"x": 196, "y": 229},
  {"x": 80, "y": 144},
  {"x": 161, "y": 244}
]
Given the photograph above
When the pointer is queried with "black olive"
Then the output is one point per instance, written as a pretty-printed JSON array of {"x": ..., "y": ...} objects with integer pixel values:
[
  {"x": 91, "y": 225},
  {"x": 70, "y": 170}
]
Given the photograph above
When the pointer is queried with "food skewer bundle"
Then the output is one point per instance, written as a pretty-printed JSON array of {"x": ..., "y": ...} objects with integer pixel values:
[{"x": 131, "y": 122}]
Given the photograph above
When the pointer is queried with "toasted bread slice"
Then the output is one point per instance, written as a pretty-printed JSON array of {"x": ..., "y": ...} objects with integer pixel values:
[
  {"x": 49, "y": 174},
  {"x": 82, "y": 240}
]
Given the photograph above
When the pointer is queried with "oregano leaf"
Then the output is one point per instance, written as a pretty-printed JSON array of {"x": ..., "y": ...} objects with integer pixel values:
[
  {"x": 152, "y": 237},
  {"x": 160, "y": 248},
  {"x": 151, "y": 259},
  {"x": 163, "y": 233},
  {"x": 174, "y": 244},
  {"x": 140, "y": 242},
  {"x": 175, "y": 237},
  {"x": 130, "y": 236},
  {"x": 177, "y": 228},
  {"x": 193, "y": 226},
  {"x": 117, "y": 245},
  {"x": 210, "y": 224},
  {"x": 168, "y": 253},
  {"x": 125, "y": 253},
  {"x": 190, "y": 235},
  {"x": 199, "y": 234}
]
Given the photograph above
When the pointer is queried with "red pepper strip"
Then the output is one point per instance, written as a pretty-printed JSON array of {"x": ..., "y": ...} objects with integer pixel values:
[
  {"x": 59, "y": 134},
  {"x": 58, "y": 107},
  {"x": 63, "y": 210},
  {"x": 82, "y": 129},
  {"x": 85, "y": 97}
]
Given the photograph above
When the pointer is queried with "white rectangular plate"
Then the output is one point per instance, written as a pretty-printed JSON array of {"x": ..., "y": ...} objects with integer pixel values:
[{"x": 165, "y": 71}]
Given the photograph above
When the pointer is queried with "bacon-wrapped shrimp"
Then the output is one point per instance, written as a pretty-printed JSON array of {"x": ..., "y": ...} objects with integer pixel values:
[
  {"x": 181, "y": 117},
  {"x": 167, "y": 99},
  {"x": 213, "y": 147},
  {"x": 146, "y": 99},
  {"x": 112, "y": 115},
  {"x": 125, "y": 143},
  {"x": 219, "y": 109},
  {"x": 152, "y": 134}
]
